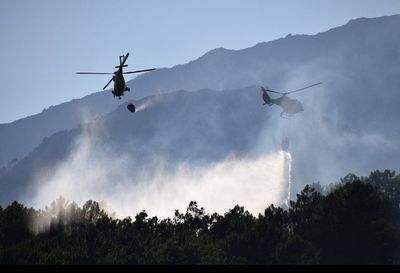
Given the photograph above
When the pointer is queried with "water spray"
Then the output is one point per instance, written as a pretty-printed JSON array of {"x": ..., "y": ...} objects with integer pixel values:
[{"x": 288, "y": 174}]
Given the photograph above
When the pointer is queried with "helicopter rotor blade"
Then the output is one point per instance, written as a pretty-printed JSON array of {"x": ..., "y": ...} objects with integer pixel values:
[
  {"x": 94, "y": 73},
  {"x": 108, "y": 83},
  {"x": 297, "y": 90},
  {"x": 122, "y": 63},
  {"x": 138, "y": 71},
  {"x": 268, "y": 90},
  {"x": 275, "y": 92},
  {"x": 124, "y": 60}
]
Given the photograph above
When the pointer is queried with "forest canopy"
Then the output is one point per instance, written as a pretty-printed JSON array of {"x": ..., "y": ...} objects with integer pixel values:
[{"x": 355, "y": 221}]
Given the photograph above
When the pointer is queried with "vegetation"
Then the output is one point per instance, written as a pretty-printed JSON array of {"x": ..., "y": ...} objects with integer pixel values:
[{"x": 353, "y": 222}]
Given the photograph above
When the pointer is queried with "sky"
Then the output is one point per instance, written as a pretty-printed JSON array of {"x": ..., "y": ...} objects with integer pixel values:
[{"x": 44, "y": 42}]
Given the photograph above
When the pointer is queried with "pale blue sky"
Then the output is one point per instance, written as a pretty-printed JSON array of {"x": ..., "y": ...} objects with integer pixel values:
[{"x": 43, "y": 42}]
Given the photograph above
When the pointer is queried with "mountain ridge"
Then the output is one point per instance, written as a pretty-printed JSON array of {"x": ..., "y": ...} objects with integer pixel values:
[{"x": 223, "y": 69}]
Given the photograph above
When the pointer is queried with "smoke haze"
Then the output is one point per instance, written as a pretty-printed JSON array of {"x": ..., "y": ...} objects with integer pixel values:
[{"x": 91, "y": 173}]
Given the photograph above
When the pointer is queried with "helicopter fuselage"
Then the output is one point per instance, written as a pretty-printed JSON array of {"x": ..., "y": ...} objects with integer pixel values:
[
  {"x": 289, "y": 106},
  {"x": 119, "y": 84}
]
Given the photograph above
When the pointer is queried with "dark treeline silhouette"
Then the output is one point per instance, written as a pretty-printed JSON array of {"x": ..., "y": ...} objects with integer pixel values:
[{"x": 355, "y": 221}]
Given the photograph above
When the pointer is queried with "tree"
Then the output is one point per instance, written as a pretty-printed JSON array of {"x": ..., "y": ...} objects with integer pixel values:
[{"x": 357, "y": 226}]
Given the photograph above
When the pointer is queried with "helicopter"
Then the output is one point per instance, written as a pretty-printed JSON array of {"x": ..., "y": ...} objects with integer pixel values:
[
  {"x": 118, "y": 78},
  {"x": 289, "y": 106}
]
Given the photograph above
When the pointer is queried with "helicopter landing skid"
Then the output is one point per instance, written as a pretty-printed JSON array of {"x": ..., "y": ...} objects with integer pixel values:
[{"x": 285, "y": 115}]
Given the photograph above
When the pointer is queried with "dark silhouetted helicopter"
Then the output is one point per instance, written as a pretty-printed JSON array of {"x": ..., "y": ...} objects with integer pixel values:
[
  {"x": 118, "y": 78},
  {"x": 289, "y": 106}
]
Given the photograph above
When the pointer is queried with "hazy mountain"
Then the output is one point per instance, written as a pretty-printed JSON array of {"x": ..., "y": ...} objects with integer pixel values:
[
  {"x": 197, "y": 129},
  {"x": 357, "y": 60},
  {"x": 20, "y": 137},
  {"x": 350, "y": 122}
]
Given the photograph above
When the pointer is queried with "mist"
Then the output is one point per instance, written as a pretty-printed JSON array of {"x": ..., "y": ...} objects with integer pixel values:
[{"x": 92, "y": 172}]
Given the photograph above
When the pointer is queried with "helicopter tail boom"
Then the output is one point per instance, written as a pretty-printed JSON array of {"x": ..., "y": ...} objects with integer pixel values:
[{"x": 265, "y": 97}]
